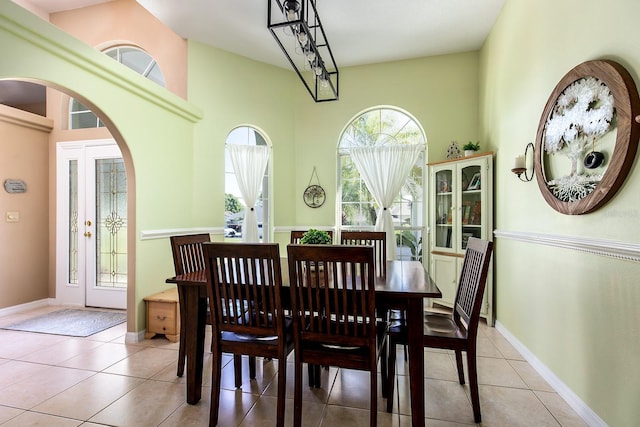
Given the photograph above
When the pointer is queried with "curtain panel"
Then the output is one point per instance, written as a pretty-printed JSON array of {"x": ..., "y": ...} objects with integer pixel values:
[
  {"x": 384, "y": 170},
  {"x": 249, "y": 163}
]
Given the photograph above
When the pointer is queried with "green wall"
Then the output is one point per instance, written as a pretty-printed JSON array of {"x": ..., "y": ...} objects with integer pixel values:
[
  {"x": 440, "y": 92},
  {"x": 577, "y": 312}
]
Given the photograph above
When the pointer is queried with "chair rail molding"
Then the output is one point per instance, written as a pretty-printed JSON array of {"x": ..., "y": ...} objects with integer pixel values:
[
  {"x": 168, "y": 232},
  {"x": 609, "y": 248}
]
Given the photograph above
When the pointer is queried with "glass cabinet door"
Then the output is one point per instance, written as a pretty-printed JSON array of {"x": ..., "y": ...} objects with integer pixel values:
[
  {"x": 444, "y": 208},
  {"x": 470, "y": 204}
]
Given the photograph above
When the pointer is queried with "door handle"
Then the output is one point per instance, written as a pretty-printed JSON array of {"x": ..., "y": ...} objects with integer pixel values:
[{"x": 87, "y": 234}]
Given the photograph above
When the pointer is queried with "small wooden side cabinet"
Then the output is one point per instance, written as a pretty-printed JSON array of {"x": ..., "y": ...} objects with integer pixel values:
[{"x": 163, "y": 315}]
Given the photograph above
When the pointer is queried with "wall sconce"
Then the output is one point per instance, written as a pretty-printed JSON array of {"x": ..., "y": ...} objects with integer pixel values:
[{"x": 520, "y": 164}]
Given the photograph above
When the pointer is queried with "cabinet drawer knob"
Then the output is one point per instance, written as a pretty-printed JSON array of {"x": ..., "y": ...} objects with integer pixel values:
[{"x": 162, "y": 317}]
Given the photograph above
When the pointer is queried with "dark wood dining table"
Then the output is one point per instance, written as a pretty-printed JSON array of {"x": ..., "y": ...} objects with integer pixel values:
[{"x": 404, "y": 286}]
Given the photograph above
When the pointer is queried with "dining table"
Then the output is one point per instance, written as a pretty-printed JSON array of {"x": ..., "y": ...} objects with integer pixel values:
[{"x": 404, "y": 286}]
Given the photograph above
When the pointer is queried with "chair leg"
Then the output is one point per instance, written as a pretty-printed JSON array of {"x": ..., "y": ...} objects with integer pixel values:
[
  {"x": 252, "y": 367},
  {"x": 391, "y": 373},
  {"x": 282, "y": 389},
  {"x": 297, "y": 392},
  {"x": 181, "y": 352},
  {"x": 459, "y": 366},
  {"x": 183, "y": 333},
  {"x": 384, "y": 368},
  {"x": 216, "y": 373},
  {"x": 314, "y": 375},
  {"x": 473, "y": 385},
  {"x": 373, "y": 415},
  {"x": 237, "y": 368},
  {"x": 311, "y": 371}
]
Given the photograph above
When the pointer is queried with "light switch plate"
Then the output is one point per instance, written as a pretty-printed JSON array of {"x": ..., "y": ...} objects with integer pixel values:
[{"x": 13, "y": 216}]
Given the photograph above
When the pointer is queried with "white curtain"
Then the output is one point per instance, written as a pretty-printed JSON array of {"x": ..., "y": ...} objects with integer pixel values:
[
  {"x": 384, "y": 170},
  {"x": 249, "y": 163}
]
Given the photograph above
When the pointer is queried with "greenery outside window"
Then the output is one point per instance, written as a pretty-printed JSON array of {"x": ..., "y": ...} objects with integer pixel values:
[{"x": 357, "y": 208}]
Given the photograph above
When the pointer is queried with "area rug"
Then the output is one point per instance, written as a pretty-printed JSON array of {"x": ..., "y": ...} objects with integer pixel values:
[{"x": 70, "y": 322}]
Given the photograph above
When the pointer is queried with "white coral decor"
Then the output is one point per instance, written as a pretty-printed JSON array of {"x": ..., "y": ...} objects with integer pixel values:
[{"x": 583, "y": 112}]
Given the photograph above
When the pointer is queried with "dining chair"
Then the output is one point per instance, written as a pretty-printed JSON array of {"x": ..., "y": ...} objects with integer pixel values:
[
  {"x": 333, "y": 302},
  {"x": 456, "y": 331},
  {"x": 239, "y": 273},
  {"x": 188, "y": 256},
  {"x": 377, "y": 239},
  {"x": 296, "y": 236}
]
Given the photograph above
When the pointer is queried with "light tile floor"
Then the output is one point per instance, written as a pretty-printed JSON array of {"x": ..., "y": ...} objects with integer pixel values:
[{"x": 49, "y": 380}]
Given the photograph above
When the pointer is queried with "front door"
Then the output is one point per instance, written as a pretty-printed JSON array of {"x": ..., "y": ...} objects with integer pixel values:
[{"x": 92, "y": 225}]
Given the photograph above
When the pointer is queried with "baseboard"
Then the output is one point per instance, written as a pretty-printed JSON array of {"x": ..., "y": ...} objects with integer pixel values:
[
  {"x": 27, "y": 306},
  {"x": 578, "y": 405},
  {"x": 134, "y": 337}
]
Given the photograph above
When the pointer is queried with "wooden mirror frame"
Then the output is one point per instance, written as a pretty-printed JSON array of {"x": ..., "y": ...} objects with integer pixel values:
[{"x": 627, "y": 107}]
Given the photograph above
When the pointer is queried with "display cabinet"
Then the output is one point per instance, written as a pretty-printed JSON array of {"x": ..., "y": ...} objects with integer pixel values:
[{"x": 461, "y": 206}]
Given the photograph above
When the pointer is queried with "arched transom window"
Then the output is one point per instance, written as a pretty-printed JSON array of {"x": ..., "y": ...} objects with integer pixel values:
[
  {"x": 357, "y": 208},
  {"x": 81, "y": 117}
]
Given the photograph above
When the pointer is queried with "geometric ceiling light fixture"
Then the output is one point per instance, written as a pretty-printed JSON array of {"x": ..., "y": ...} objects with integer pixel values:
[{"x": 296, "y": 26}]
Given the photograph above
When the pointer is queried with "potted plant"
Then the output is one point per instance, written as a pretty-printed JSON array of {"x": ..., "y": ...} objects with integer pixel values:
[
  {"x": 470, "y": 148},
  {"x": 315, "y": 237}
]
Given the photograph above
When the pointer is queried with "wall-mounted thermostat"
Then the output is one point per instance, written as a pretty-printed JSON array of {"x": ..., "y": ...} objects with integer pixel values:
[{"x": 15, "y": 186}]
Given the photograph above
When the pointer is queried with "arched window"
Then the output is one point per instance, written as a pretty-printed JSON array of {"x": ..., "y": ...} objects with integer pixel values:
[
  {"x": 234, "y": 203},
  {"x": 357, "y": 208},
  {"x": 81, "y": 117}
]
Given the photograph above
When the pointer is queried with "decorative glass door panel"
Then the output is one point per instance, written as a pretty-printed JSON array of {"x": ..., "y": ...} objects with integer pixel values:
[
  {"x": 111, "y": 223},
  {"x": 444, "y": 209},
  {"x": 471, "y": 204}
]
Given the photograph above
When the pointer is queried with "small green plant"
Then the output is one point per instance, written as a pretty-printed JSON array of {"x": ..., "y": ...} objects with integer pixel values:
[
  {"x": 315, "y": 237},
  {"x": 472, "y": 146}
]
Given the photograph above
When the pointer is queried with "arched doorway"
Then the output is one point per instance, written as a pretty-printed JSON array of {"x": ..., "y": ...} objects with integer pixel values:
[{"x": 80, "y": 240}]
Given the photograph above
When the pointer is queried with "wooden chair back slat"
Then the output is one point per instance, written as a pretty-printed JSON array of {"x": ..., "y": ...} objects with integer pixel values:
[
  {"x": 472, "y": 282},
  {"x": 376, "y": 239},
  {"x": 244, "y": 281},
  {"x": 188, "y": 255},
  {"x": 333, "y": 293}
]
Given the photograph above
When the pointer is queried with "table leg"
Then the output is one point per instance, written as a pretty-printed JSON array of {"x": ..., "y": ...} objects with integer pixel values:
[
  {"x": 415, "y": 332},
  {"x": 195, "y": 329}
]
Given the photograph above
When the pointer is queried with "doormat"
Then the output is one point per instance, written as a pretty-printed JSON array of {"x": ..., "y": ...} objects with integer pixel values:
[{"x": 70, "y": 322}]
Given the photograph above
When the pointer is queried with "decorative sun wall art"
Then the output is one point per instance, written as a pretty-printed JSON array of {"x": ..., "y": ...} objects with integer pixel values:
[{"x": 587, "y": 137}]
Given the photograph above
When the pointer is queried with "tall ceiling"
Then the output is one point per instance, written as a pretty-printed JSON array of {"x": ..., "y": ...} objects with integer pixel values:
[{"x": 358, "y": 31}]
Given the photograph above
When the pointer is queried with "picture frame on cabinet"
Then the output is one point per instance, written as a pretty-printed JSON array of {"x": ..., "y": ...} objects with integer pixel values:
[
  {"x": 474, "y": 184},
  {"x": 443, "y": 186},
  {"x": 465, "y": 239}
]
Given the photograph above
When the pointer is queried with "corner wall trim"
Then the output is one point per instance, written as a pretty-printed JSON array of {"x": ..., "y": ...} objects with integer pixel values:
[
  {"x": 609, "y": 248},
  {"x": 578, "y": 405}
]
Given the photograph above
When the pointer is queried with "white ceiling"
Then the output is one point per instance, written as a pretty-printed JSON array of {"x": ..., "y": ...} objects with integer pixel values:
[{"x": 359, "y": 31}]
